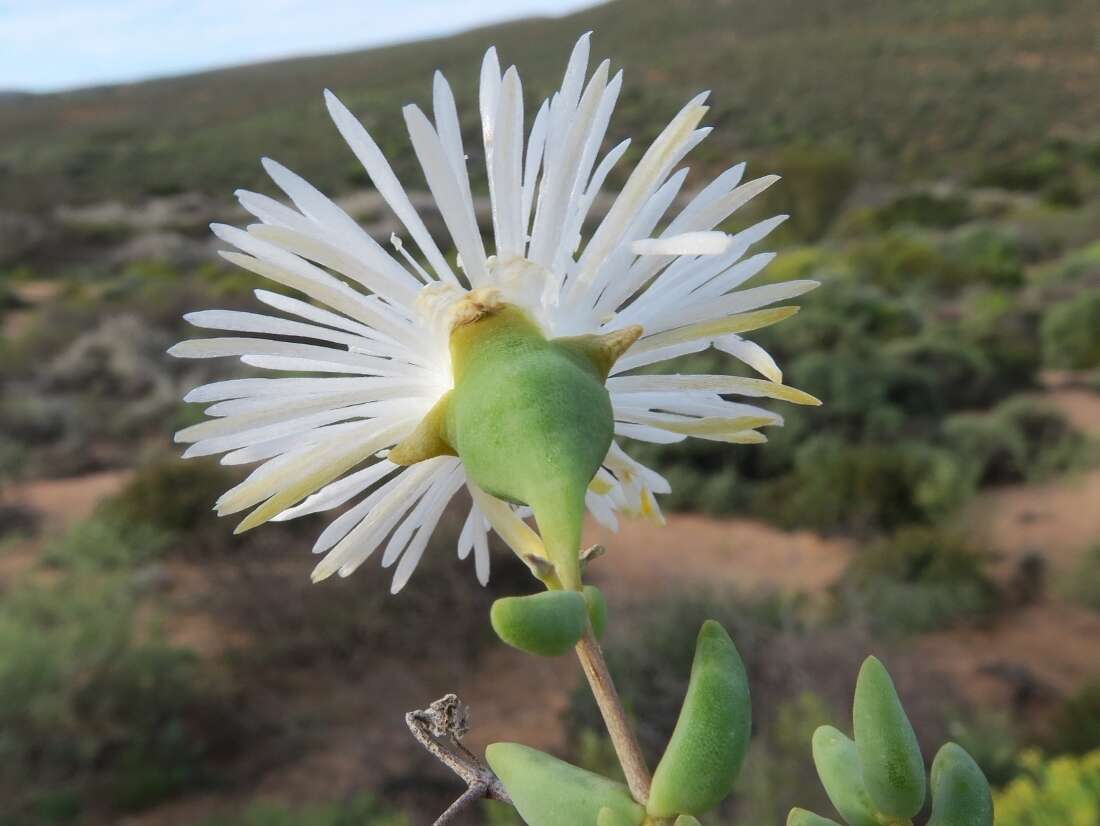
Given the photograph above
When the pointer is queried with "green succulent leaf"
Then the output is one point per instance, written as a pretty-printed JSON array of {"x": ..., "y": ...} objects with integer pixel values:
[
  {"x": 960, "y": 792},
  {"x": 687, "y": 820},
  {"x": 550, "y": 792},
  {"x": 802, "y": 817},
  {"x": 838, "y": 766},
  {"x": 614, "y": 817},
  {"x": 893, "y": 769},
  {"x": 708, "y": 744},
  {"x": 597, "y": 609},
  {"x": 548, "y": 624}
]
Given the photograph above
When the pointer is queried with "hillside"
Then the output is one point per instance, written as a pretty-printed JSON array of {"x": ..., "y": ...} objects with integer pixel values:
[
  {"x": 917, "y": 89},
  {"x": 941, "y": 167}
]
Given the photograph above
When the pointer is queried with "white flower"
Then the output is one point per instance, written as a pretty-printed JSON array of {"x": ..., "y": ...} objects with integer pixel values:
[{"x": 381, "y": 321}]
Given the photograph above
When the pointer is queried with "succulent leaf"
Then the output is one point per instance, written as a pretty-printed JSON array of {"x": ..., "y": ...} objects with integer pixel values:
[
  {"x": 548, "y": 624},
  {"x": 614, "y": 817},
  {"x": 550, "y": 792},
  {"x": 597, "y": 609},
  {"x": 960, "y": 792},
  {"x": 708, "y": 744},
  {"x": 838, "y": 766},
  {"x": 802, "y": 817},
  {"x": 893, "y": 769}
]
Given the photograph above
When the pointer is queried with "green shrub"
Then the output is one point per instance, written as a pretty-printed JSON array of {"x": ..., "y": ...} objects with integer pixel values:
[
  {"x": 1079, "y": 266},
  {"x": 1028, "y": 174},
  {"x": 985, "y": 255},
  {"x": 1053, "y": 446},
  {"x": 174, "y": 495},
  {"x": 1005, "y": 330},
  {"x": 901, "y": 260},
  {"x": 919, "y": 579},
  {"x": 923, "y": 209},
  {"x": 96, "y": 708},
  {"x": 837, "y": 485},
  {"x": 1070, "y": 332},
  {"x": 993, "y": 740},
  {"x": 1052, "y": 792},
  {"x": 106, "y": 543},
  {"x": 779, "y": 768},
  {"x": 1075, "y": 723},
  {"x": 816, "y": 183},
  {"x": 1081, "y": 584},
  {"x": 957, "y": 374},
  {"x": 990, "y": 450},
  {"x": 360, "y": 810}
]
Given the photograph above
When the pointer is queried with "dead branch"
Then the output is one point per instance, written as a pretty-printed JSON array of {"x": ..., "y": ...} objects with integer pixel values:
[{"x": 447, "y": 720}]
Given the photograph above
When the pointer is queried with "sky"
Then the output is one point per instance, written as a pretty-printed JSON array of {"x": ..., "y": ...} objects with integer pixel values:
[{"x": 50, "y": 45}]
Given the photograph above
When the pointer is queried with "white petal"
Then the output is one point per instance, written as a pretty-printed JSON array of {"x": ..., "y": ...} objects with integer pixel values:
[
  {"x": 689, "y": 243},
  {"x": 504, "y": 159},
  {"x": 450, "y": 195},
  {"x": 715, "y": 384},
  {"x": 381, "y": 173},
  {"x": 752, "y": 354}
]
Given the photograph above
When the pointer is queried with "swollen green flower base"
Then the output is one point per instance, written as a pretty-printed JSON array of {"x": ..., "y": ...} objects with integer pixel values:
[{"x": 529, "y": 417}]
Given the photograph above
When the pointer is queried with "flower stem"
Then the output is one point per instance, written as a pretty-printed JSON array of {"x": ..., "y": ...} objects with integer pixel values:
[{"x": 614, "y": 716}]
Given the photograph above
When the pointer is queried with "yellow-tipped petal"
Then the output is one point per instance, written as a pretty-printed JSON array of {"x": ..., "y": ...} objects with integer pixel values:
[
  {"x": 723, "y": 385},
  {"x": 740, "y": 323},
  {"x": 516, "y": 533}
]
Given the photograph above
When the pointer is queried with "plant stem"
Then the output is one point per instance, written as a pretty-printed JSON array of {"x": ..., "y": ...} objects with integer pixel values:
[{"x": 614, "y": 716}]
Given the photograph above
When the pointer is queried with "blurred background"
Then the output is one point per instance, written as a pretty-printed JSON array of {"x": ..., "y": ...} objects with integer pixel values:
[{"x": 941, "y": 162}]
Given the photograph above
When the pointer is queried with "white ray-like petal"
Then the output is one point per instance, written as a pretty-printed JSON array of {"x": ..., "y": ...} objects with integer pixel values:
[
  {"x": 715, "y": 384},
  {"x": 688, "y": 243},
  {"x": 439, "y": 497},
  {"x": 381, "y": 173},
  {"x": 504, "y": 159},
  {"x": 342, "y": 227},
  {"x": 663, "y": 153},
  {"x": 751, "y": 354},
  {"x": 450, "y": 195},
  {"x": 337, "y": 493},
  {"x": 532, "y": 162}
]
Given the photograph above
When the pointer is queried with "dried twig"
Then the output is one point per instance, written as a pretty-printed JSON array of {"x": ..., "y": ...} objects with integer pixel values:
[{"x": 447, "y": 718}]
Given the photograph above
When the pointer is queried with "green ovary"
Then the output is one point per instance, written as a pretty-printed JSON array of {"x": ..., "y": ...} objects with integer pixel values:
[{"x": 532, "y": 422}]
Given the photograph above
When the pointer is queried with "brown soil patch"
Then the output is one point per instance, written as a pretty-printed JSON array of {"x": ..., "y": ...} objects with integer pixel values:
[
  {"x": 65, "y": 501},
  {"x": 1054, "y": 520},
  {"x": 1032, "y": 656},
  {"x": 691, "y": 548},
  {"x": 1081, "y": 407}
]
